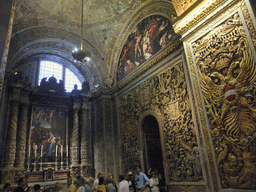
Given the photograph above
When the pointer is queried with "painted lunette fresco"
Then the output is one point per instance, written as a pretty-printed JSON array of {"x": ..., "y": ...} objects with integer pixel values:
[{"x": 148, "y": 37}]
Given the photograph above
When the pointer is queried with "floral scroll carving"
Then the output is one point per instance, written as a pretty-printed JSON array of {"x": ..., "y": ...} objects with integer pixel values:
[
  {"x": 182, "y": 5},
  {"x": 166, "y": 94},
  {"x": 227, "y": 74}
]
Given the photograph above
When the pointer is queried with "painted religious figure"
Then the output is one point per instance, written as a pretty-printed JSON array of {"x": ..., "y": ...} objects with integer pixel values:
[
  {"x": 48, "y": 134},
  {"x": 148, "y": 37}
]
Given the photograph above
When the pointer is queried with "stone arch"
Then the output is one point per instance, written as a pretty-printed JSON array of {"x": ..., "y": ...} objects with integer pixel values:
[{"x": 157, "y": 118}]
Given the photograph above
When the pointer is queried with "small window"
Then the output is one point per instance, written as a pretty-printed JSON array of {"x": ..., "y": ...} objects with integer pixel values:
[
  {"x": 49, "y": 69},
  {"x": 71, "y": 80}
]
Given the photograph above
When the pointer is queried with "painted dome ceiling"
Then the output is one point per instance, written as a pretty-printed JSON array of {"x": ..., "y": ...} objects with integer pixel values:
[{"x": 50, "y": 29}]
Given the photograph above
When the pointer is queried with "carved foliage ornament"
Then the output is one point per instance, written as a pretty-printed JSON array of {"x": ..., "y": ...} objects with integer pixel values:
[
  {"x": 166, "y": 94},
  {"x": 227, "y": 73},
  {"x": 182, "y": 5}
]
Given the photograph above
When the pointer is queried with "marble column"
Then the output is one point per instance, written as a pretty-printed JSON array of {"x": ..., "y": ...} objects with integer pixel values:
[
  {"x": 75, "y": 139},
  {"x": 10, "y": 147},
  {"x": 21, "y": 137}
]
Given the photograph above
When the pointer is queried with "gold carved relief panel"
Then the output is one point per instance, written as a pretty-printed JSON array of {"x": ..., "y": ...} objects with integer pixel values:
[
  {"x": 166, "y": 94},
  {"x": 225, "y": 65}
]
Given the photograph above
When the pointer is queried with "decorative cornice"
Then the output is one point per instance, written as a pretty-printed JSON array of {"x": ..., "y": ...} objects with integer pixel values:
[
  {"x": 181, "y": 6},
  {"x": 199, "y": 13}
]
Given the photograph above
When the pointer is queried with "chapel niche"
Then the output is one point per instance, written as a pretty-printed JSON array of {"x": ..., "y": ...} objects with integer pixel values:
[{"x": 47, "y": 135}]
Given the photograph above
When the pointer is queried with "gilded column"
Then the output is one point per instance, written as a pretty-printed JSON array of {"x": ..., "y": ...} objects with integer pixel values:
[
  {"x": 85, "y": 134},
  {"x": 75, "y": 139},
  {"x": 21, "y": 137},
  {"x": 10, "y": 148}
]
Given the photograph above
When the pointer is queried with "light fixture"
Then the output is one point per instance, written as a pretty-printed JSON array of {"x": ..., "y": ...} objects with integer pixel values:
[{"x": 80, "y": 54}]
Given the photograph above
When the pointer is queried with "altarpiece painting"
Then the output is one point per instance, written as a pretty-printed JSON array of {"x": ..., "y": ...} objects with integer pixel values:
[{"x": 48, "y": 135}]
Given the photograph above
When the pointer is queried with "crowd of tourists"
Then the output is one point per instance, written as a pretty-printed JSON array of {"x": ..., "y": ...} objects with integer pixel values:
[{"x": 137, "y": 182}]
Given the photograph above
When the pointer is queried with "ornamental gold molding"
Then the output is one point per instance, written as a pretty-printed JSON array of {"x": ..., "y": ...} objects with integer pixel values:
[
  {"x": 203, "y": 123},
  {"x": 249, "y": 23},
  {"x": 199, "y": 13},
  {"x": 182, "y": 5}
]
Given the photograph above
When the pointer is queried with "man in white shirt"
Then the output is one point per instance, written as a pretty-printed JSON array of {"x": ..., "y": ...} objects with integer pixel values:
[{"x": 123, "y": 185}]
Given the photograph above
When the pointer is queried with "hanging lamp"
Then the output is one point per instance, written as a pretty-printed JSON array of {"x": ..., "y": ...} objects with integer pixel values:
[{"x": 80, "y": 54}]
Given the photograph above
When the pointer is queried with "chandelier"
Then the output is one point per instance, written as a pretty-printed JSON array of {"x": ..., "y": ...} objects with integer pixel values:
[{"x": 80, "y": 54}]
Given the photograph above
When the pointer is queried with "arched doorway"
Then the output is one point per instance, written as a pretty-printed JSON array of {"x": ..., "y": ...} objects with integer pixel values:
[{"x": 152, "y": 151}]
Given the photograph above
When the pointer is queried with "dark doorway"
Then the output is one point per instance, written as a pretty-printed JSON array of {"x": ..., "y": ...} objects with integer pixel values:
[{"x": 153, "y": 157}]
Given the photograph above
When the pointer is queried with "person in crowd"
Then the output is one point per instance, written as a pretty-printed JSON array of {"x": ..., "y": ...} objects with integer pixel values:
[
  {"x": 80, "y": 182},
  {"x": 70, "y": 187},
  {"x": 26, "y": 187},
  {"x": 161, "y": 179},
  {"x": 123, "y": 185},
  {"x": 111, "y": 177},
  {"x": 87, "y": 186},
  {"x": 154, "y": 182},
  {"x": 58, "y": 187},
  {"x": 37, "y": 188},
  {"x": 143, "y": 180},
  {"x": 101, "y": 186},
  {"x": 7, "y": 187},
  {"x": 96, "y": 183},
  {"x": 21, "y": 183},
  {"x": 156, "y": 171},
  {"x": 131, "y": 182},
  {"x": 109, "y": 185}
]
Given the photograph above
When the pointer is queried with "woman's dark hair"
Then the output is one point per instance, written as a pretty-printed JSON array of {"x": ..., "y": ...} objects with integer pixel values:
[
  {"x": 109, "y": 180},
  {"x": 6, "y": 185},
  {"x": 121, "y": 177},
  {"x": 138, "y": 166},
  {"x": 99, "y": 175},
  {"x": 101, "y": 180},
  {"x": 20, "y": 180},
  {"x": 37, "y": 187}
]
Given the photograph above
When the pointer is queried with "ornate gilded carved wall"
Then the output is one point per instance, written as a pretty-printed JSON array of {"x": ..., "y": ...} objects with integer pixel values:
[
  {"x": 222, "y": 61},
  {"x": 167, "y": 95}
]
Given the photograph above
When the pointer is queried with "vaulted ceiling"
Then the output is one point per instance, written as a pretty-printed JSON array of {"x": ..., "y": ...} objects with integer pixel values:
[{"x": 51, "y": 29}]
